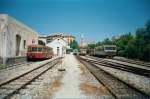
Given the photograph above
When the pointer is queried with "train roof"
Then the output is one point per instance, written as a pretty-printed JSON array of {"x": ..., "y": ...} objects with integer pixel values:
[
  {"x": 36, "y": 45},
  {"x": 109, "y": 45},
  {"x": 105, "y": 46}
]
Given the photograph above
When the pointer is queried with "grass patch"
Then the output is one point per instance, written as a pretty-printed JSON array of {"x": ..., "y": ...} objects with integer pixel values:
[{"x": 2, "y": 66}]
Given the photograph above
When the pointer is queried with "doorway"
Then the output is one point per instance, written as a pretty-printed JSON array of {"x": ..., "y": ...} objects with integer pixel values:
[
  {"x": 18, "y": 40},
  {"x": 57, "y": 51}
]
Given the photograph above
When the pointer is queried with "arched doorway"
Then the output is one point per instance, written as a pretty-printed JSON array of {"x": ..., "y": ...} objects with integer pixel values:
[{"x": 18, "y": 40}]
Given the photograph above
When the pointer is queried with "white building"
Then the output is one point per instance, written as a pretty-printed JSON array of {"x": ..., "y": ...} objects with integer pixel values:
[
  {"x": 59, "y": 46},
  {"x": 52, "y": 36},
  {"x": 14, "y": 38}
]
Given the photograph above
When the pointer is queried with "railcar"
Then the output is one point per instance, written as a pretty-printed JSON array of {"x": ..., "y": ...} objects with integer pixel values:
[
  {"x": 91, "y": 52},
  {"x": 75, "y": 52},
  {"x": 105, "y": 51},
  {"x": 39, "y": 52},
  {"x": 82, "y": 51}
]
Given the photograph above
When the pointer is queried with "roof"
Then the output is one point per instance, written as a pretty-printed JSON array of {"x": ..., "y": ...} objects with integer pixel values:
[
  {"x": 13, "y": 20},
  {"x": 109, "y": 45},
  {"x": 36, "y": 45},
  {"x": 44, "y": 36},
  {"x": 55, "y": 33},
  {"x": 60, "y": 34},
  {"x": 106, "y": 46}
]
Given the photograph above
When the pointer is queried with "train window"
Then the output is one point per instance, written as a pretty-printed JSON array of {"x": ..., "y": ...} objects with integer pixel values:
[
  {"x": 39, "y": 49},
  {"x": 29, "y": 49},
  {"x": 34, "y": 49},
  {"x": 100, "y": 48},
  {"x": 44, "y": 49},
  {"x": 48, "y": 50},
  {"x": 110, "y": 48}
]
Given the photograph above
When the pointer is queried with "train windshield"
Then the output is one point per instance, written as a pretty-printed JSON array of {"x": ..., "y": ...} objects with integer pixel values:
[
  {"x": 34, "y": 49},
  {"x": 39, "y": 49},
  {"x": 44, "y": 49},
  {"x": 110, "y": 48}
]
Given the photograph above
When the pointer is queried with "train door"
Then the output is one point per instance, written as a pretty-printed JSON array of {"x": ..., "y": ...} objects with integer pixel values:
[
  {"x": 58, "y": 50},
  {"x": 18, "y": 40}
]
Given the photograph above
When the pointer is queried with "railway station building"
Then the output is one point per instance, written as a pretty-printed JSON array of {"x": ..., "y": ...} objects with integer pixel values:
[
  {"x": 49, "y": 38},
  {"x": 14, "y": 38},
  {"x": 59, "y": 46}
]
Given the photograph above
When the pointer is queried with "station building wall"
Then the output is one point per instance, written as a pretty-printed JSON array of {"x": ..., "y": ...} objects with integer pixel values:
[
  {"x": 14, "y": 38},
  {"x": 59, "y": 46}
]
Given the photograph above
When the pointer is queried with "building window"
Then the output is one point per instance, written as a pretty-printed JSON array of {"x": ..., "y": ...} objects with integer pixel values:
[{"x": 24, "y": 44}]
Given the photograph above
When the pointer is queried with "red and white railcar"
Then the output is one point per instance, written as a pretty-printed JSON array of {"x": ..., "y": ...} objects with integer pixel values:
[{"x": 39, "y": 52}]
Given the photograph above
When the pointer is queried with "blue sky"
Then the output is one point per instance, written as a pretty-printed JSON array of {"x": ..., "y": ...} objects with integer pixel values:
[{"x": 96, "y": 19}]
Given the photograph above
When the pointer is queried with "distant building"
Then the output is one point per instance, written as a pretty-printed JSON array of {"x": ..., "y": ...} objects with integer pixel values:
[
  {"x": 68, "y": 38},
  {"x": 59, "y": 46},
  {"x": 51, "y": 37},
  {"x": 14, "y": 38}
]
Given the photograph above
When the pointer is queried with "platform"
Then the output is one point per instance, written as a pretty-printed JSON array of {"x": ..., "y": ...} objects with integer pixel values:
[{"x": 78, "y": 82}]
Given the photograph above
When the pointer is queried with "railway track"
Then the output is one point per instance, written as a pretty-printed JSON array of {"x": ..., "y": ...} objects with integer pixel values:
[
  {"x": 118, "y": 88},
  {"x": 13, "y": 86},
  {"x": 134, "y": 62},
  {"x": 9, "y": 67},
  {"x": 120, "y": 66}
]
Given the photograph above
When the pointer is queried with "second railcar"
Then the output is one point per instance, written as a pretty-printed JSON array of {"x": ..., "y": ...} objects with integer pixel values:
[
  {"x": 82, "y": 51},
  {"x": 105, "y": 51}
]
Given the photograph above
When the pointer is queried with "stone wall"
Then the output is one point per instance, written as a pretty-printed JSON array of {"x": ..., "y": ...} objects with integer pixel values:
[
  {"x": 10, "y": 28},
  {"x": 1, "y": 61},
  {"x": 15, "y": 60}
]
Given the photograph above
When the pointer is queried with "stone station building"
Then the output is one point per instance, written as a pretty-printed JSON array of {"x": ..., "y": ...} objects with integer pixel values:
[{"x": 14, "y": 38}]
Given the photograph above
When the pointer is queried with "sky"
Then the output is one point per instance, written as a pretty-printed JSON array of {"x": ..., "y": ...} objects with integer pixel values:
[{"x": 95, "y": 19}]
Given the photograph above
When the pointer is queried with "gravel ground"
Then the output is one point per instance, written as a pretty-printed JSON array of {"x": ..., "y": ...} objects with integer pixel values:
[
  {"x": 78, "y": 82},
  {"x": 7, "y": 74},
  {"x": 120, "y": 89},
  {"x": 41, "y": 88},
  {"x": 140, "y": 82},
  {"x": 75, "y": 82},
  {"x": 134, "y": 65}
]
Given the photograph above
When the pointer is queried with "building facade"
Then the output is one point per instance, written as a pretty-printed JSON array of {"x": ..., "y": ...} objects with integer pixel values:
[
  {"x": 59, "y": 46},
  {"x": 14, "y": 38},
  {"x": 51, "y": 37}
]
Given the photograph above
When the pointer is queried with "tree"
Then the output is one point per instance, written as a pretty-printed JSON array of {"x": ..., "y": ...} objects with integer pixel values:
[
  {"x": 122, "y": 44},
  {"x": 74, "y": 45},
  {"x": 90, "y": 46},
  {"x": 40, "y": 42},
  {"x": 131, "y": 49},
  {"x": 143, "y": 42},
  {"x": 147, "y": 32},
  {"x": 107, "y": 41},
  {"x": 135, "y": 46},
  {"x": 98, "y": 43}
]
